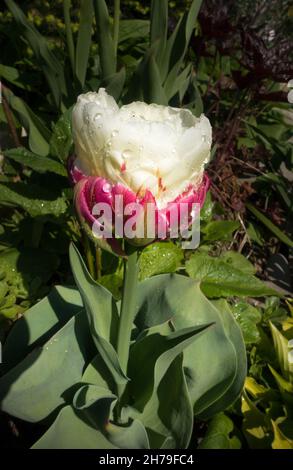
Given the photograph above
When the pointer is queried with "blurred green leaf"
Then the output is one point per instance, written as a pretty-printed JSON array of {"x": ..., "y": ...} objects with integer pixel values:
[
  {"x": 38, "y": 134},
  {"x": 52, "y": 68},
  {"x": 27, "y": 269},
  {"x": 84, "y": 40},
  {"x": 105, "y": 40}
]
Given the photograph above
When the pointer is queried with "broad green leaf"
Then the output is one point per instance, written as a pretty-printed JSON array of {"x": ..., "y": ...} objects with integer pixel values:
[
  {"x": 234, "y": 335},
  {"x": 158, "y": 302},
  {"x": 159, "y": 258},
  {"x": 101, "y": 311},
  {"x": 40, "y": 322},
  {"x": 34, "y": 199},
  {"x": 87, "y": 425},
  {"x": 270, "y": 225},
  {"x": 95, "y": 406},
  {"x": 105, "y": 40},
  {"x": 84, "y": 39},
  {"x": 69, "y": 431},
  {"x": 248, "y": 317},
  {"x": 220, "y": 279},
  {"x": 218, "y": 435},
  {"x": 238, "y": 261},
  {"x": 37, "y": 163},
  {"x": 219, "y": 230},
  {"x": 156, "y": 350},
  {"x": 168, "y": 416},
  {"x": 43, "y": 380}
]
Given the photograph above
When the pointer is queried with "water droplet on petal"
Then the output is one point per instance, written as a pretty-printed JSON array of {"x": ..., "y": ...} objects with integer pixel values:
[
  {"x": 107, "y": 188},
  {"x": 114, "y": 133},
  {"x": 126, "y": 154},
  {"x": 97, "y": 116},
  {"x": 86, "y": 116}
]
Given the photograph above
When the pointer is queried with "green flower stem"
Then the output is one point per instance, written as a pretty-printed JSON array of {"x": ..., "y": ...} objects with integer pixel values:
[
  {"x": 116, "y": 24},
  {"x": 127, "y": 311}
]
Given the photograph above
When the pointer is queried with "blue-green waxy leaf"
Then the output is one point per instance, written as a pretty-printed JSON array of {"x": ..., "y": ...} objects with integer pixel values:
[
  {"x": 69, "y": 431},
  {"x": 39, "y": 323},
  {"x": 156, "y": 350},
  {"x": 101, "y": 311},
  {"x": 87, "y": 425},
  {"x": 220, "y": 349},
  {"x": 42, "y": 382},
  {"x": 159, "y": 390}
]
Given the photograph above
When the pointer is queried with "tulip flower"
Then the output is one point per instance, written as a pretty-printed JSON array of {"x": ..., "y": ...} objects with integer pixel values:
[{"x": 138, "y": 154}]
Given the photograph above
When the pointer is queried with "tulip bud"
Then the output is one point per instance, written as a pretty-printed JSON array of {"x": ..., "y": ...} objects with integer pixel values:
[{"x": 134, "y": 157}]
